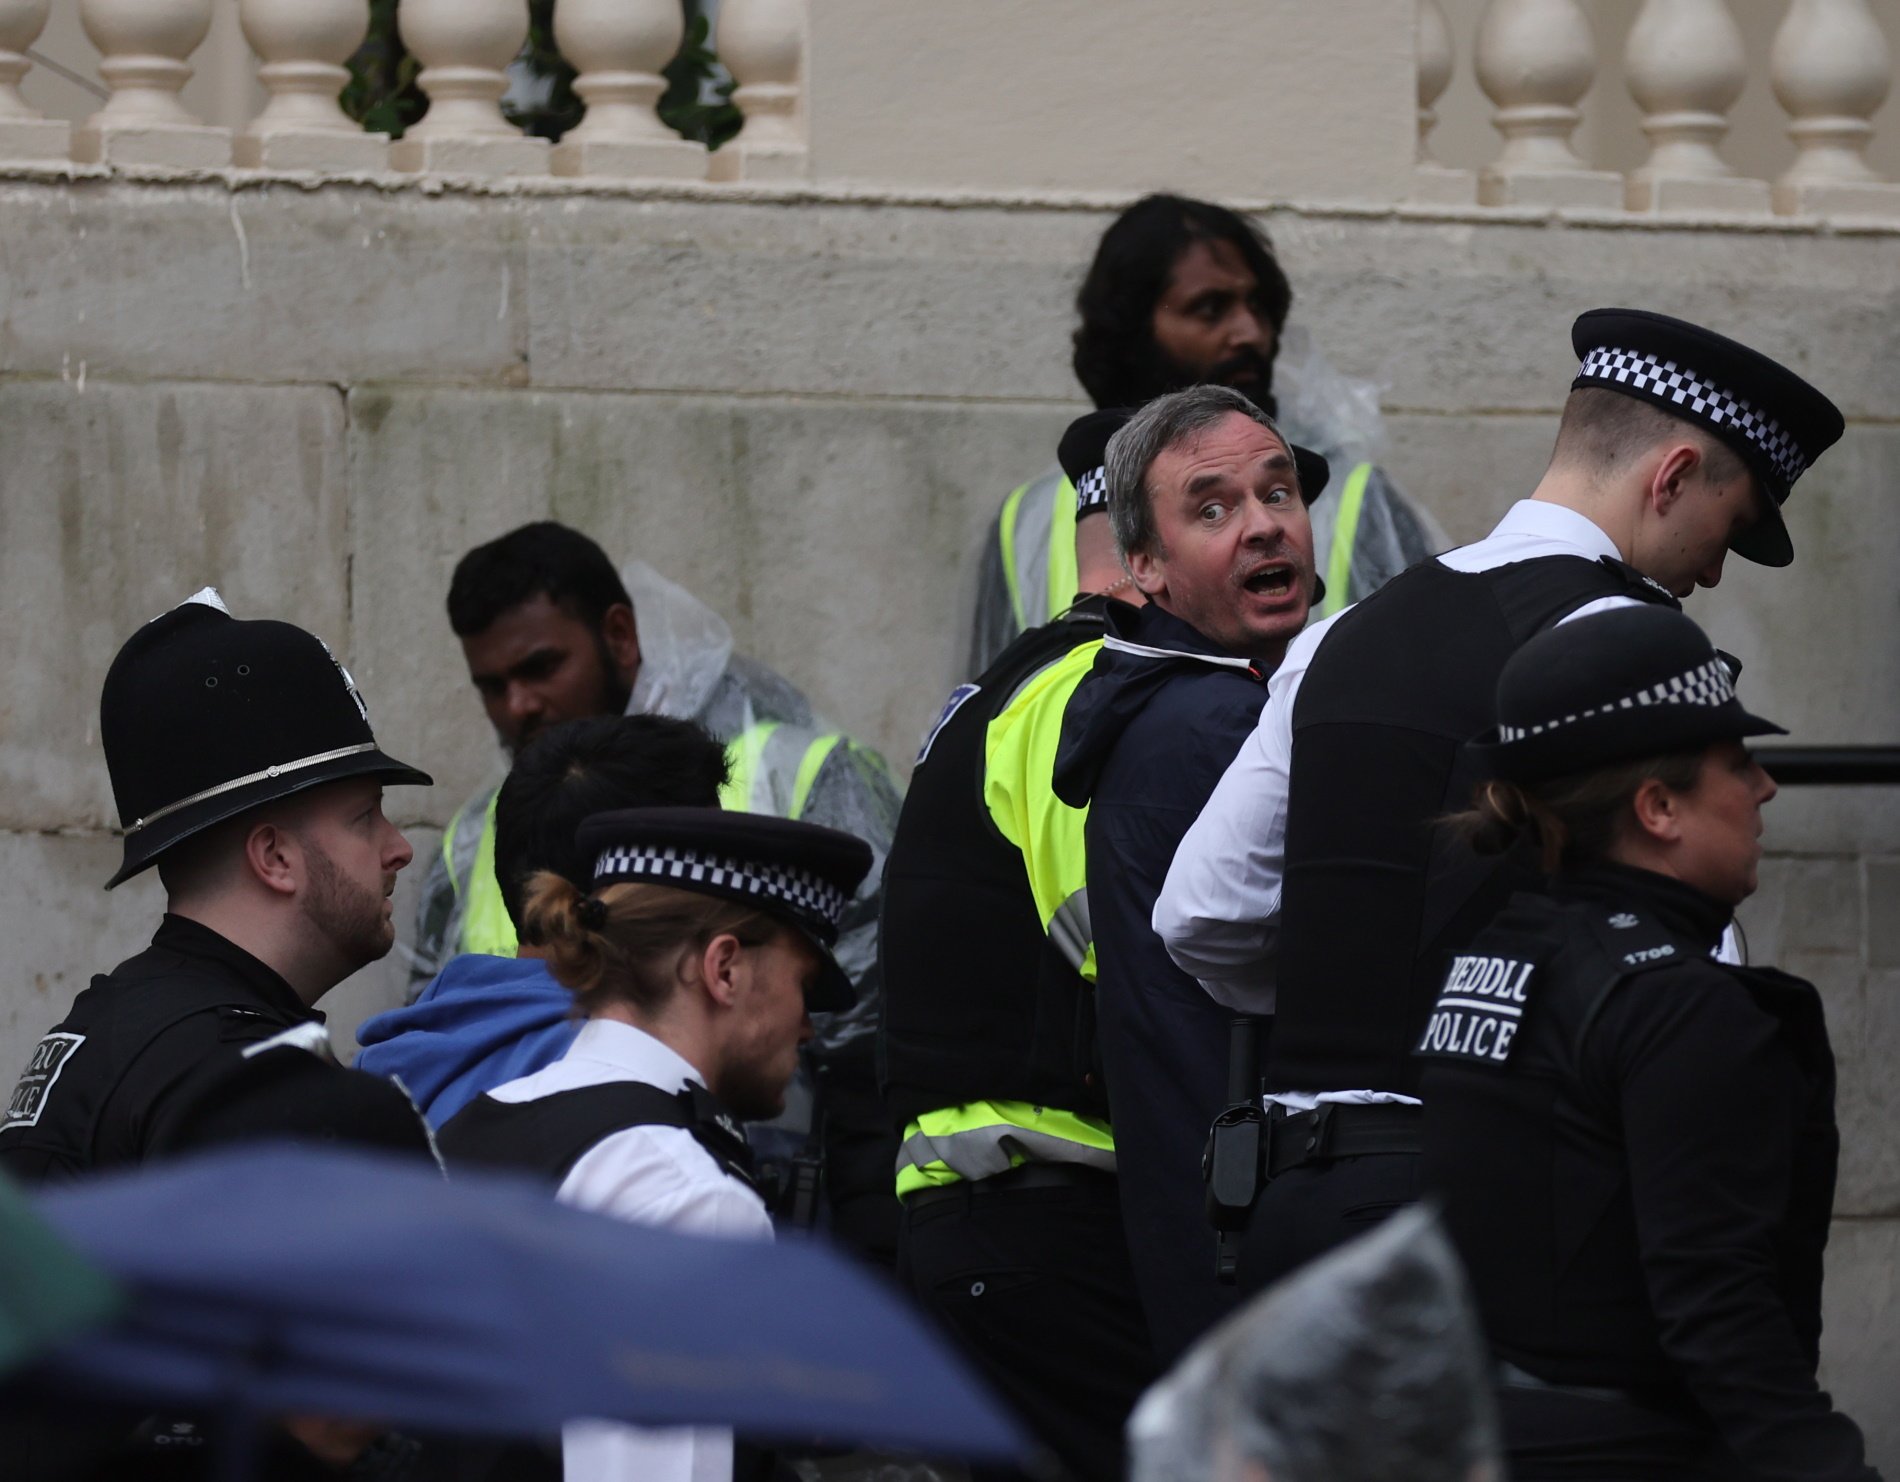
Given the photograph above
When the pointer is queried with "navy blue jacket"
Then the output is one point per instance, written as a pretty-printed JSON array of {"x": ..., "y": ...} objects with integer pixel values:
[{"x": 1146, "y": 736}]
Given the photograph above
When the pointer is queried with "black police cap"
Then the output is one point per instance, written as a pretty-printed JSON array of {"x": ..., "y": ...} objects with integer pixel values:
[
  {"x": 799, "y": 872},
  {"x": 1613, "y": 687},
  {"x": 1082, "y": 452},
  {"x": 204, "y": 717},
  {"x": 1764, "y": 411}
]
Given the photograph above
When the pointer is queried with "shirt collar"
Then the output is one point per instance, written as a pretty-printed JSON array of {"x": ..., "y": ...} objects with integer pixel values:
[
  {"x": 632, "y": 1052},
  {"x": 187, "y": 938},
  {"x": 1542, "y": 519}
]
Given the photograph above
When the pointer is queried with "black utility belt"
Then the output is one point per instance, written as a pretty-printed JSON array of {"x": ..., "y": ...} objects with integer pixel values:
[
  {"x": 1023, "y": 1176},
  {"x": 1341, "y": 1129}
]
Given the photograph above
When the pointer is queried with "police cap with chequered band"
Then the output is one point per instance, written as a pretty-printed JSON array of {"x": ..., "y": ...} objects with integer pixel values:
[
  {"x": 204, "y": 716},
  {"x": 1084, "y": 450},
  {"x": 1765, "y": 412},
  {"x": 1613, "y": 687},
  {"x": 799, "y": 872}
]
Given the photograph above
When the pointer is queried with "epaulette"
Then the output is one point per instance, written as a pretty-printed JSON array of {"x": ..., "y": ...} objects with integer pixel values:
[{"x": 1631, "y": 943}]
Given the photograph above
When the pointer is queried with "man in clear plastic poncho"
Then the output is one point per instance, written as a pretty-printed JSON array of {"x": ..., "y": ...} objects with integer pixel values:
[
  {"x": 1183, "y": 292},
  {"x": 552, "y": 632},
  {"x": 1365, "y": 1366}
]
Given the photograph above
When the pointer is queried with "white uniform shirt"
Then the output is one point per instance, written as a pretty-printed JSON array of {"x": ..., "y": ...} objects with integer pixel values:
[
  {"x": 650, "y": 1176},
  {"x": 1218, "y": 911}
]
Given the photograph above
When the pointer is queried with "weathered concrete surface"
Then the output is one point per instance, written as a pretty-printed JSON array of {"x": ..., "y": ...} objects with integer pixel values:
[
  {"x": 120, "y": 500},
  {"x": 836, "y": 539},
  {"x": 1860, "y": 1344},
  {"x": 806, "y": 410},
  {"x": 61, "y": 928}
]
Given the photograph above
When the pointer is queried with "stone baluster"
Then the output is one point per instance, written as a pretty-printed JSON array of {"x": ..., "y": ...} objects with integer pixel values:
[
  {"x": 1535, "y": 60},
  {"x": 1686, "y": 67},
  {"x": 1432, "y": 181},
  {"x": 465, "y": 47},
  {"x": 762, "y": 43},
  {"x": 303, "y": 45},
  {"x": 143, "y": 46},
  {"x": 24, "y": 133},
  {"x": 1832, "y": 70},
  {"x": 619, "y": 47}
]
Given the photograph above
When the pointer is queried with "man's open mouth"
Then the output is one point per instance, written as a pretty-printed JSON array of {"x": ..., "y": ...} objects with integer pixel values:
[{"x": 1270, "y": 581}]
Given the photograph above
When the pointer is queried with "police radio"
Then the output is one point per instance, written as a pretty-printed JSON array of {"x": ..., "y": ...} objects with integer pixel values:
[{"x": 1236, "y": 1148}]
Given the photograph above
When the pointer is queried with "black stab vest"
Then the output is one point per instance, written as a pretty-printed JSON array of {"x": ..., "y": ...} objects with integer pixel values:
[
  {"x": 1532, "y": 1174},
  {"x": 979, "y": 1002},
  {"x": 548, "y": 1136},
  {"x": 1375, "y": 892}
]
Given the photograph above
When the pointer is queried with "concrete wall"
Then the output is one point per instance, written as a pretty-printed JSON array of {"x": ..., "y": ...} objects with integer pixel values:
[{"x": 805, "y": 406}]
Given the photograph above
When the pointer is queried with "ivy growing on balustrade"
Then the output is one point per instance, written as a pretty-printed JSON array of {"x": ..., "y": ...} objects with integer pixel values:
[{"x": 382, "y": 94}]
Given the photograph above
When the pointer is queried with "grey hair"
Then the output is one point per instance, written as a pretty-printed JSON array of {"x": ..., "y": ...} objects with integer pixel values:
[{"x": 1164, "y": 423}]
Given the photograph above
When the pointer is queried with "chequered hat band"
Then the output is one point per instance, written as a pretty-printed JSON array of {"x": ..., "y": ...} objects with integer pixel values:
[
  {"x": 1666, "y": 381},
  {"x": 772, "y": 885},
  {"x": 1706, "y": 685},
  {"x": 1091, "y": 491}
]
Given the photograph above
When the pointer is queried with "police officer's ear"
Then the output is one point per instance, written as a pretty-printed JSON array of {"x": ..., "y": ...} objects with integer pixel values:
[
  {"x": 724, "y": 967},
  {"x": 620, "y": 637},
  {"x": 1658, "y": 812},
  {"x": 1676, "y": 468},
  {"x": 274, "y": 857}
]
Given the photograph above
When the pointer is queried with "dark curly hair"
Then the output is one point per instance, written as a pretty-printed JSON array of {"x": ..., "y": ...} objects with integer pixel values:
[{"x": 1115, "y": 354}]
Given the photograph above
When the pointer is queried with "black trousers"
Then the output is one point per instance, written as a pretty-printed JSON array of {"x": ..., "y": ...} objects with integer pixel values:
[
  {"x": 1034, "y": 1286},
  {"x": 1316, "y": 1207},
  {"x": 1560, "y": 1436}
]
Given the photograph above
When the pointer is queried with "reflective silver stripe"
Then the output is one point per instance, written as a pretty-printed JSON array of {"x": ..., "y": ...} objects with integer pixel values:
[
  {"x": 1123, "y": 646},
  {"x": 1071, "y": 930},
  {"x": 984, "y": 1152},
  {"x": 246, "y": 781}
]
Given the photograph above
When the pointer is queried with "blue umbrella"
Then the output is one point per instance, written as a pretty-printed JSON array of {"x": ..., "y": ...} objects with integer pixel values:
[{"x": 280, "y": 1280}]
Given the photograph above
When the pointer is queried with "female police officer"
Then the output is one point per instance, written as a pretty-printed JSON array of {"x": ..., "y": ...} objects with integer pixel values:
[{"x": 1636, "y": 1142}]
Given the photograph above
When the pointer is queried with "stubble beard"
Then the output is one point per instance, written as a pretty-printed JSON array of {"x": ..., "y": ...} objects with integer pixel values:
[{"x": 349, "y": 915}]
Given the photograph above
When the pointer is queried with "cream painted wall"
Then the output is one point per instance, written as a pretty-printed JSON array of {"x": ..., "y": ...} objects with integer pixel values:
[
  {"x": 1250, "y": 98},
  {"x": 1610, "y": 134}
]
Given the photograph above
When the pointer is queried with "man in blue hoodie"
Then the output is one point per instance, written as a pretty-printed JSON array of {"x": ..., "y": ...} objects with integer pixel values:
[
  {"x": 485, "y": 1020},
  {"x": 1209, "y": 506}
]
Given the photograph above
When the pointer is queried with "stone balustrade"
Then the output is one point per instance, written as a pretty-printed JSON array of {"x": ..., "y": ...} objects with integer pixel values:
[
  {"x": 465, "y": 48},
  {"x": 1539, "y": 62},
  {"x": 1685, "y": 67}
]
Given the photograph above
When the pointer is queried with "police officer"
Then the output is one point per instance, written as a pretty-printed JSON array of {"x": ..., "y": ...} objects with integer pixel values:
[
  {"x": 1011, "y": 1232},
  {"x": 1316, "y": 873},
  {"x": 1635, "y": 1141},
  {"x": 244, "y": 770},
  {"x": 693, "y": 960}
]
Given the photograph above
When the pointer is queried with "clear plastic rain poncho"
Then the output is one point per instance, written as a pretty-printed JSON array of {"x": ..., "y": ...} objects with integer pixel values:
[
  {"x": 1339, "y": 418},
  {"x": 688, "y": 670},
  {"x": 1365, "y": 1366}
]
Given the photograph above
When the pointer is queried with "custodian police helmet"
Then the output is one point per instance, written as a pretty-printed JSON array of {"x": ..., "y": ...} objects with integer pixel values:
[{"x": 204, "y": 716}]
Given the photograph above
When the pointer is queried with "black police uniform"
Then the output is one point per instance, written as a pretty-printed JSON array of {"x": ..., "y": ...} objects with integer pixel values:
[
  {"x": 1374, "y": 894},
  {"x": 204, "y": 718},
  {"x": 1636, "y": 1149},
  {"x": 141, "y": 1065}
]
